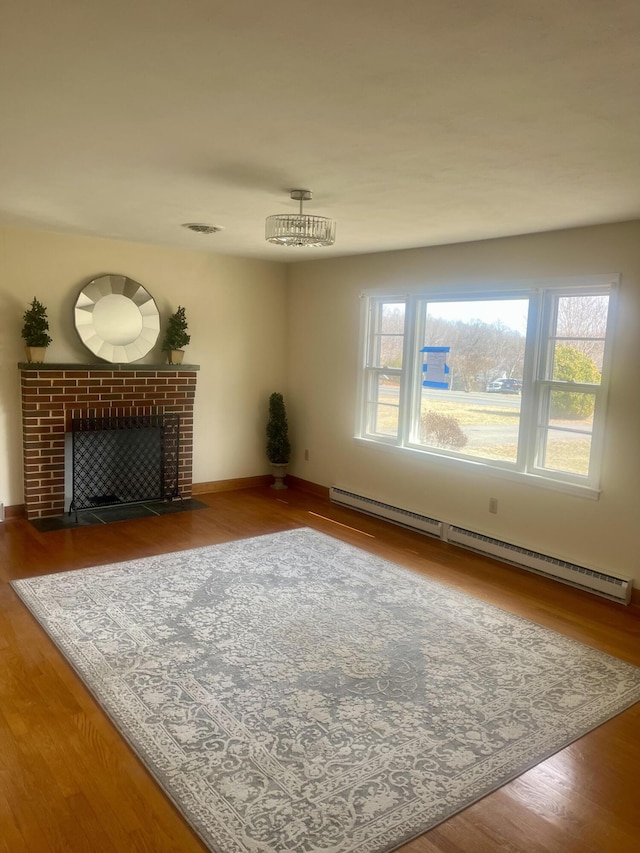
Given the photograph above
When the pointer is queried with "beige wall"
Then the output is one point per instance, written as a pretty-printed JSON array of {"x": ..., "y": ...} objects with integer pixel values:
[
  {"x": 236, "y": 313},
  {"x": 252, "y": 333},
  {"x": 324, "y": 312}
]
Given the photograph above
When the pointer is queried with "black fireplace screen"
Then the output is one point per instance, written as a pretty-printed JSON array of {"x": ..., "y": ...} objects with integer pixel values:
[{"x": 124, "y": 460}]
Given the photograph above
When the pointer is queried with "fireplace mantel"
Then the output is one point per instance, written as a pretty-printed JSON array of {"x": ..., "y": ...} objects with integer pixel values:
[
  {"x": 54, "y": 394},
  {"x": 138, "y": 368}
]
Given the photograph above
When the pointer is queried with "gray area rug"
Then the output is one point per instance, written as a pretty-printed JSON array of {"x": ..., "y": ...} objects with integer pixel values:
[{"x": 293, "y": 693}]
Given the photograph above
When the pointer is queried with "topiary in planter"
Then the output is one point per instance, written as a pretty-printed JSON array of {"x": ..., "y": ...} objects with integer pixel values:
[
  {"x": 176, "y": 336},
  {"x": 35, "y": 329},
  {"x": 278, "y": 446}
]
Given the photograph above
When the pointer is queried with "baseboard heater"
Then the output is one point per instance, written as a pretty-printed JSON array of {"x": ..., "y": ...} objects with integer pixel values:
[
  {"x": 403, "y": 517},
  {"x": 608, "y": 586}
]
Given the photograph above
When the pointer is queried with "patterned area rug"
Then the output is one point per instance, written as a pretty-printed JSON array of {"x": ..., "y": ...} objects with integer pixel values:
[{"x": 293, "y": 693}]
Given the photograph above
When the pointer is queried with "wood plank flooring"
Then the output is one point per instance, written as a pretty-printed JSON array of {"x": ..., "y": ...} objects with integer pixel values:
[{"x": 70, "y": 783}]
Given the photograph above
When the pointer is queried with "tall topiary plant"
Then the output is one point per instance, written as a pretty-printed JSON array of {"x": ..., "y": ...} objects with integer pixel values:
[{"x": 278, "y": 446}]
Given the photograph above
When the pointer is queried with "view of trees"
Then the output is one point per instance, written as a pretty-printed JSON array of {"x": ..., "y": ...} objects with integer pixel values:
[
  {"x": 480, "y": 351},
  {"x": 582, "y": 320},
  {"x": 573, "y": 366},
  {"x": 392, "y": 340}
]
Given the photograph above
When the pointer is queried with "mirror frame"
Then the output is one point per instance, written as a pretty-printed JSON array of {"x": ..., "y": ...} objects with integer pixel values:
[{"x": 112, "y": 347}]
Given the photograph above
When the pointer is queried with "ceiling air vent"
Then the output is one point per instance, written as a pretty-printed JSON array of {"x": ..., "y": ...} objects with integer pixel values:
[{"x": 201, "y": 228}]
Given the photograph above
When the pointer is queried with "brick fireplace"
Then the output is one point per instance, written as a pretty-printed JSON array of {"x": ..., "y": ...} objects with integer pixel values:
[{"x": 54, "y": 394}]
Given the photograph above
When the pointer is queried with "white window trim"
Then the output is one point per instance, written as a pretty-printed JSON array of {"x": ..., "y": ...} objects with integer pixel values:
[{"x": 524, "y": 470}]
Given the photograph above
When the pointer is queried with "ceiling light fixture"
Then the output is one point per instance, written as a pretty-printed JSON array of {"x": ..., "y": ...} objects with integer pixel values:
[{"x": 300, "y": 229}]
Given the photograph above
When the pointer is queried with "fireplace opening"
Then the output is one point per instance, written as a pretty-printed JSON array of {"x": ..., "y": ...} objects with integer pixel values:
[{"x": 124, "y": 460}]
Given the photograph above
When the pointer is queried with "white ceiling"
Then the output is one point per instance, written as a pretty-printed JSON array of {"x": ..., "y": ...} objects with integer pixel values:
[{"x": 415, "y": 122}]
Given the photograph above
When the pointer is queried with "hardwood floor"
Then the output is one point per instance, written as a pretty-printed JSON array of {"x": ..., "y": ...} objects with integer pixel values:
[{"x": 69, "y": 782}]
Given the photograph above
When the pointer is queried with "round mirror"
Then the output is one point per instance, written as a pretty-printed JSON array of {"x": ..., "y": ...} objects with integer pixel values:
[{"x": 117, "y": 319}]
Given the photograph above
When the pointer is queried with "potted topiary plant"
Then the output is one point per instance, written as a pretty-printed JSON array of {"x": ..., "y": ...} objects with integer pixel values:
[
  {"x": 176, "y": 336},
  {"x": 35, "y": 331},
  {"x": 278, "y": 446}
]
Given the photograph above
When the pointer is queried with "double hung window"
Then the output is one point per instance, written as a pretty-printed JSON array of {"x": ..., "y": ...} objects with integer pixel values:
[{"x": 515, "y": 381}]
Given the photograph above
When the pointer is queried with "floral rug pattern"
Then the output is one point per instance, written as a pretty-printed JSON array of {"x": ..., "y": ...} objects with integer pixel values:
[{"x": 294, "y": 694}]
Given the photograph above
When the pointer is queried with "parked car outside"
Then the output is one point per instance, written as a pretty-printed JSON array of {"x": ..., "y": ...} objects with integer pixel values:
[{"x": 505, "y": 386}]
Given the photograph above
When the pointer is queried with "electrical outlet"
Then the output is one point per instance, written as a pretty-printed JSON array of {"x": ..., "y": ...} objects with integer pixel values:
[
  {"x": 306, "y": 456},
  {"x": 493, "y": 505}
]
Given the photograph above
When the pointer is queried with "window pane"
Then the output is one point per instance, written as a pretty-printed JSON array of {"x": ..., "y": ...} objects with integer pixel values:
[
  {"x": 565, "y": 451},
  {"x": 480, "y": 413},
  {"x": 386, "y": 420},
  {"x": 578, "y": 339},
  {"x": 571, "y": 364},
  {"x": 479, "y": 424},
  {"x": 384, "y": 405},
  {"x": 392, "y": 318},
  {"x": 565, "y": 441},
  {"x": 388, "y": 335},
  {"x": 389, "y": 351},
  {"x": 582, "y": 316},
  {"x": 571, "y": 410},
  {"x": 486, "y": 339}
]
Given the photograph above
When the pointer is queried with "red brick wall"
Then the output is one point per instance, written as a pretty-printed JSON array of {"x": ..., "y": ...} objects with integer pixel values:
[{"x": 52, "y": 397}]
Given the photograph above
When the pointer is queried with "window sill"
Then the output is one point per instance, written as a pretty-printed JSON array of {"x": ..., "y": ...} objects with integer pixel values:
[{"x": 468, "y": 465}]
